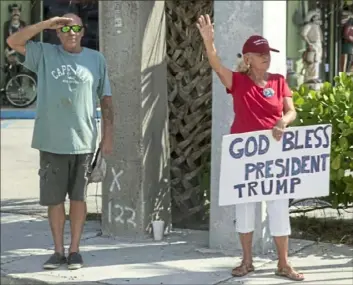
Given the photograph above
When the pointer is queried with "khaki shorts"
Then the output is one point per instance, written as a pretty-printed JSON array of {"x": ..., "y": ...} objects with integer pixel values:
[{"x": 61, "y": 175}]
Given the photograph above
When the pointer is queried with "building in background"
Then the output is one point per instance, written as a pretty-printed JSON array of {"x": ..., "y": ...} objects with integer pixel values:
[
  {"x": 36, "y": 10},
  {"x": 337, "y": 38}
]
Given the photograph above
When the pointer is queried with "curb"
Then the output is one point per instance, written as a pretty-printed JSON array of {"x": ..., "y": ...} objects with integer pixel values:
[
  {"x": 18, "y": 114},
  {"x": 29, "y": 114},
  {"x": 9, "y": 280}
]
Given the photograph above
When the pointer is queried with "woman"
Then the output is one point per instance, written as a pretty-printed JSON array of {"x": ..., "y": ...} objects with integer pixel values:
[{"x": 262, "y": 101}]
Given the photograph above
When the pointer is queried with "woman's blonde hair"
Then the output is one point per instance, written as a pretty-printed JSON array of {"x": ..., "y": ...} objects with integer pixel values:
[{"x": 242, "y": 66}]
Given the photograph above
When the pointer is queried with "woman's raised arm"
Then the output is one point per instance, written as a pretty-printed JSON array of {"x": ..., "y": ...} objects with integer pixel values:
[{"x": 207, "y": 32}]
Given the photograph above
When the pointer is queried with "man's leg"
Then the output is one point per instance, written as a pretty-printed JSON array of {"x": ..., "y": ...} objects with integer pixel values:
[
  {"x": 79, "y": 168},
  {"x": 53, "y": 174},
  {"x": 78, "y": 211}
]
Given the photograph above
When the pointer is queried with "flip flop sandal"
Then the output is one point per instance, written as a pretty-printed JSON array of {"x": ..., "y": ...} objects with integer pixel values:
[
  {"x": 242, "y": 270},
  {"x": 290, "y": 274}
]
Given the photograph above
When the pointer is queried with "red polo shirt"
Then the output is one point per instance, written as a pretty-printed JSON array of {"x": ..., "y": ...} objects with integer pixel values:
[{"x": 257, "y": 108}]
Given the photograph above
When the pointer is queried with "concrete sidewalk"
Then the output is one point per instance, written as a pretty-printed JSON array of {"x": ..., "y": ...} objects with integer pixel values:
[{"x": 182, "y": 258}]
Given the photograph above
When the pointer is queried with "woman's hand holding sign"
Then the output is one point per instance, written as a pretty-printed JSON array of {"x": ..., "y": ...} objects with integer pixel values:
[
  {"x": 289, "y": 116},
  {"x": 278, "y": 130}
]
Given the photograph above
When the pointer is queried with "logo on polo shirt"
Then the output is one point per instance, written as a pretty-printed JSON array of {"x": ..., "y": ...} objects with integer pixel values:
[
  {"x": 268, "y": 92},
  {"x": 72, "y": 75}
]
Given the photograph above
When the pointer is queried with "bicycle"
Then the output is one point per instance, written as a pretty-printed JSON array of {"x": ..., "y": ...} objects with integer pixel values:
[{"x": 20, "y": 86}]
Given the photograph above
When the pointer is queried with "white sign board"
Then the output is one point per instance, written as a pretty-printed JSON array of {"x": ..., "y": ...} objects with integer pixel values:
[{"x": 255, "y": 167}]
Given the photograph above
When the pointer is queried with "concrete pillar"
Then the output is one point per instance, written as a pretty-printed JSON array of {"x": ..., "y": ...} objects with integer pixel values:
[
  {"x": 136, "y": 189},
  {"x": 234, "y": 22}
]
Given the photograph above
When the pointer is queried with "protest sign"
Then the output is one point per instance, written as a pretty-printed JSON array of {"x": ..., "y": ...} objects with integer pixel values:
[{"x": 255, "y": 167}]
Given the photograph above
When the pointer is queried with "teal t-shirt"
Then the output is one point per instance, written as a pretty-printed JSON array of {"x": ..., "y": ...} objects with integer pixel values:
[{"x": 68, "y": 87}]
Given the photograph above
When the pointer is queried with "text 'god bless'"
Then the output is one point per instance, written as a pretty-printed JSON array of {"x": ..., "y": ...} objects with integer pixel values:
[{"x": 280, "y": 176}]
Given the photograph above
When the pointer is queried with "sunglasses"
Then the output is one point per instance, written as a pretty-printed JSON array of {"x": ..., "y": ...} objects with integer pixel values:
[{"x": 74, "y": 28}]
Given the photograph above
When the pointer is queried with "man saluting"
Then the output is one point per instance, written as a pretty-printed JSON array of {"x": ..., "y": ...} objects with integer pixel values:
[{"x": 70, "y": 78}]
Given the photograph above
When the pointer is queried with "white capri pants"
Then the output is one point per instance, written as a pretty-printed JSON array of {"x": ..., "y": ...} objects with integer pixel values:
[{"x": 278, "y": 216}]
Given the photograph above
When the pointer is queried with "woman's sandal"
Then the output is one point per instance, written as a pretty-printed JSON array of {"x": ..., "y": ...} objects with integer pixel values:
[
  {"x": 242, "y": 270},
  {"x": 289, "y": 273}
]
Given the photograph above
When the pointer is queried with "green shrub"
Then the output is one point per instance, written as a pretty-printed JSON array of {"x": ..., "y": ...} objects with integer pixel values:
[{"x": 333, "y": 104}]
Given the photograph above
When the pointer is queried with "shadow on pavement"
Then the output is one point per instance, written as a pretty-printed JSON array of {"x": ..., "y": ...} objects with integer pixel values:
[{"x": 23, "y": 206}]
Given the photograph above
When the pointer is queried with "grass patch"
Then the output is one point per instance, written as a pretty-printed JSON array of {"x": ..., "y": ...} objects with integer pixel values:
[{"x": 338, "y": 231}]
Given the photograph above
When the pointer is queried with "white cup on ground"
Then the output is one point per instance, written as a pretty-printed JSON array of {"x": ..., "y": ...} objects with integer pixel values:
[{"x": 158, "y": 230}]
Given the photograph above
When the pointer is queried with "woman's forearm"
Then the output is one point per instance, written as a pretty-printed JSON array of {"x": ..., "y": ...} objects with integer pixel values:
[
  {"x": 213, "y": 58},
  {"x": 224, "y": 74},
  {"x": 289, "y": 117}
]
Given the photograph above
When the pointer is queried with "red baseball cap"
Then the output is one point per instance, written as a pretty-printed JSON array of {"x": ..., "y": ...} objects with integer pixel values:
[{"x": 257, "y": 44}]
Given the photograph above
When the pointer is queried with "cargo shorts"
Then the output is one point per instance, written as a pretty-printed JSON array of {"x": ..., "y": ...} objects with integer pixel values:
[{"x": 62, "y": 175}]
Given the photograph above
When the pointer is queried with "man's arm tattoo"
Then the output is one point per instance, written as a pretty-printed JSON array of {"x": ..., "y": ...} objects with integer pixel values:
[{"x": 107, "y": 113}]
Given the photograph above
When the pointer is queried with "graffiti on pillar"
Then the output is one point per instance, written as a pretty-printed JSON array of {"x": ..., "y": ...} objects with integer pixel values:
[
  {"x": 115, "y": 182},
  {"x": 118, "y": 20},
  {"x": 124, "y": 214},
  {"x": 128, "y": 218}
]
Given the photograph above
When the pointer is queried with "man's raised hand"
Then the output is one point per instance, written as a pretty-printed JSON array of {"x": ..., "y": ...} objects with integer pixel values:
[{"x": 57, "y": 22}]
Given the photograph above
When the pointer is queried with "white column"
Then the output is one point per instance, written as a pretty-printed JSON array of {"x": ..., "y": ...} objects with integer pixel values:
[
  {"x": 275, "y": 31},
  {"x": 234, "y": 22}
]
